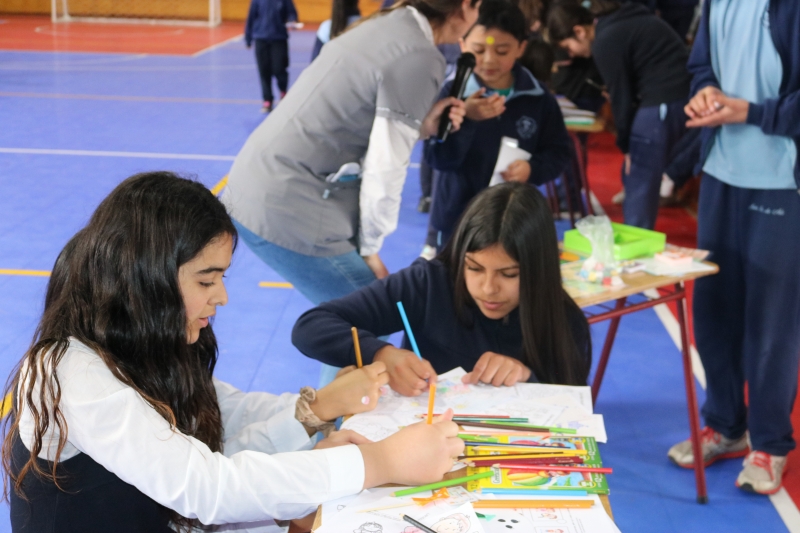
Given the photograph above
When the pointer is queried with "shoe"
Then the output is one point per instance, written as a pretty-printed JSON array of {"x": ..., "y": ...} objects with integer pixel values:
[
  {"x": 714, "y": 446},
  {"x": 762, "y": 473},
  {"x": 283, "y": 95},
  {"x": 424, "y": 205},
  {"x": 267, "y": 107},
  {"x": 619, "y": 197},
  {"x": 667, "y": 186},
  {"x": 428, "y": 252}
]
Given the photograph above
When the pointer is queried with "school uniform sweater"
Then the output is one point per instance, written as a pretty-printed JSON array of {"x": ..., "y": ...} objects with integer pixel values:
[
  {"x": 467, "y": 158},
  {"x": 266, "y": 20},
  {"x": 776, "y": 115},
  {"x": 643, "y": 62},
  {"x": 426, "y": 291},
  {"x": 122, "y": 459}
]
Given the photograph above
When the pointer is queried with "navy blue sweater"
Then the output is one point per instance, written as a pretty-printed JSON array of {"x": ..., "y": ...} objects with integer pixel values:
[
  {"x": 775, "y": 116},
  {"x": 426, "y": 291},
  {"x": 467, "y": 159},
  {"x": 267, "y": 20}
]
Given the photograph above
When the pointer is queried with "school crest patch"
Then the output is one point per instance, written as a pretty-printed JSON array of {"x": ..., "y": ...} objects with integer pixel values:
[{"x": 526, "y": 127}]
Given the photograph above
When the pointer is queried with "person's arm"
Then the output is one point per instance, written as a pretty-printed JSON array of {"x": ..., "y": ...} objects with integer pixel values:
[
  {"x": 699, "y": 65},
  {"x": 614, "y": 65},
  {"x": 252, "y": 14},
  {"x": 117, "y": 428},
  {"x": 776, "y": 116},
  {"x": 291, "y": 12},
  {"x": 553, "y": 151}
]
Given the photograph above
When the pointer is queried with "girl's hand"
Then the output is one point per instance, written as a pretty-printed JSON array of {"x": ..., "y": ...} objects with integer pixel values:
[
  {"x": 342, "y": 438},
  {"x": 728, "y": 111},
  {"x": 498, "y": 370},
  {"x": 430, "y": 126},
  {"x": 415, "y": 455},
  {"x": 519, "y": 170},
  {"x": 479, "y": 108},
  {"x": 354, "y": 392},
  {"x": 407, "y": 372}
]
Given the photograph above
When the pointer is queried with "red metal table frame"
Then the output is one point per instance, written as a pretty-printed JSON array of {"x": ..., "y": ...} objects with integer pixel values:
[{"x": 621, "y": 308}]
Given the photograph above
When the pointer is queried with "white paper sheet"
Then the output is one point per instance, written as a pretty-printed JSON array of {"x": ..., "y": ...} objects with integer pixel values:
[
  {"x": 509, "y": 152},
  {"x": 548, "y": 405},
  {"x": 593, "y": 520}
]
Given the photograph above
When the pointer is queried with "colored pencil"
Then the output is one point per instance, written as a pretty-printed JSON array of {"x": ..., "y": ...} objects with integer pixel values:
[
  {"x": 555, "y": 468},
  {"x": 418, "y": 525},
  {"x": 407, "y": 325},
  {"x": 493, "y": 460},
  {"x": 522, "y": 427},
  {"x": 468, "y": 420},
  {"x": 440, "y": 484},
  {"x": 533, "y": 504},
  {"x": 461, "y": 415},
  {"x": 498, "y": 458},
  {"x": 431, "y": 400},
  {"x": 532, "y": 492},
  {"x": 531, "y": 447},
  {"x": 357, "y": 346}
]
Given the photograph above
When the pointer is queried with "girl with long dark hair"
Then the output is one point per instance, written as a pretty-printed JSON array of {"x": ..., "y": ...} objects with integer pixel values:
[
  {"x": 491, "y": 302},
  {"x": 118, "y": 423}
]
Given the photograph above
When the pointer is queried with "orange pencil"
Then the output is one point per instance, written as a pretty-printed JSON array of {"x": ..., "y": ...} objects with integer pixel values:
[
  {"x": 357, "y": 346},
  {"x": 533, "y": 504},
  {"x": 431, "y": 399}
]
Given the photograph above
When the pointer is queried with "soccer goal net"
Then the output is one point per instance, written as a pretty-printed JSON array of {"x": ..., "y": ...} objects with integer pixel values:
[{"x": 189, "y": 12}]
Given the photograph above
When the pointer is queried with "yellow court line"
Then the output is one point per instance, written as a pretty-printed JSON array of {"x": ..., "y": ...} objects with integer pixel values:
[
  {"x": 16, "y": 272},
  {"x": 6, "y": 407},
  {"x": 276, "y": 285},
  {"x": 219, "y": 186}
]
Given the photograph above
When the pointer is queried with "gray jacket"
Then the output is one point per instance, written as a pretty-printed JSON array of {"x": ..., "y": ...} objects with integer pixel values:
[{"x": 386, "y": 67}]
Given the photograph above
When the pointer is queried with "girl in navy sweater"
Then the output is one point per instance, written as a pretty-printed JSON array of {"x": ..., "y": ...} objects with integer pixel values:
[{"x": 491, "y": 302}]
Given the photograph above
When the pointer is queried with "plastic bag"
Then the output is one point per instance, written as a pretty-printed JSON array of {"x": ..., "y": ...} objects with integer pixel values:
[{"x": 601, "y": 267}]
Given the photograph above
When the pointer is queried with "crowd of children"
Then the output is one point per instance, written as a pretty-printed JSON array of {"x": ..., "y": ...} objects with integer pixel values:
[{"x": 117, "y": 416}]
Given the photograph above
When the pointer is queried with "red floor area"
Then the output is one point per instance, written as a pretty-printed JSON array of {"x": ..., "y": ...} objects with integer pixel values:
[
  {"x": 40, "y": 34},
  {"x": 680, "y": 225}
]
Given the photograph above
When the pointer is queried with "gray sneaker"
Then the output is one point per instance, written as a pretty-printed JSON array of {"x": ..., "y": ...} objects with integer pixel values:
[
  {"x": 762, "y": 473},
  {"x": 714, "y": 446}
]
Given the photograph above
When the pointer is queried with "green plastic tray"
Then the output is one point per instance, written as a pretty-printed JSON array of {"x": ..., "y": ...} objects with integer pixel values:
[{"x": 629, "y": 242}]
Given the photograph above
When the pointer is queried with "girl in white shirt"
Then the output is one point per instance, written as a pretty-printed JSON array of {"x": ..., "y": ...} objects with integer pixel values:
[{"x": 118, "y": 424}]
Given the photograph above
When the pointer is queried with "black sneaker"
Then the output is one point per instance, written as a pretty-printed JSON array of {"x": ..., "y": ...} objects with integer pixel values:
[{"x": 424, "y": 205}]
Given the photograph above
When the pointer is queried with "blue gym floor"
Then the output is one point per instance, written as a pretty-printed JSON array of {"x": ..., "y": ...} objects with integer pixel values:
[{"x": 114, "y": 115}]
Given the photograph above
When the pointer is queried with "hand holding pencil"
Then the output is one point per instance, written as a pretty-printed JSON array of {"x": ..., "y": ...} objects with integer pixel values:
[{"x": 356, "y": 391}]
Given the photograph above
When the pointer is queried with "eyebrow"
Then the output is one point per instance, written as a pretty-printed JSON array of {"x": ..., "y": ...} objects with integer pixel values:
[
  {"x": 212, "y": 269},
  {"x": 499, "y": 269}
]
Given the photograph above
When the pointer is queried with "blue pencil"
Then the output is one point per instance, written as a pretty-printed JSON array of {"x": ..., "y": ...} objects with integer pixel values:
[
  {"x": 410, "y": 333},
  {"x": 536, "y": 492}
]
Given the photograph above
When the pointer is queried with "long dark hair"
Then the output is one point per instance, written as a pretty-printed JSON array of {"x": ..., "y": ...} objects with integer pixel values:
[
  {"x": 516, "y": 216},
  {"x": 114, "y": 287},
  {"x": 340, "y": 12},
  {"x": 436, "y": 11}
]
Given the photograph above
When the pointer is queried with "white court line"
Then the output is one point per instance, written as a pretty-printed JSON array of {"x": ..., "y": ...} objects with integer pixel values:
[
  {"x": 218, "y": 45},
  {"x": 787, "y": 510},
  {"x": 100, "y": 153}
]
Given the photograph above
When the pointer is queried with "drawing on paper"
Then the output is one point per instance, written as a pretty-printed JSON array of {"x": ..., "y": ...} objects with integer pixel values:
[{"x": 369, "y": 527}]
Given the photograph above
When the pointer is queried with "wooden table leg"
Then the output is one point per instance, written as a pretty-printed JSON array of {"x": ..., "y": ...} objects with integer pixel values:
[
  {"x": 691, "y": 400},
  {"x": 606, "y": 353}
]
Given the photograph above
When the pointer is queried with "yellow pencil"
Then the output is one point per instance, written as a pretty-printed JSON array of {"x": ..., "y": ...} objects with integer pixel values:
[
  {"x": 431, "y": 399},
  {"x": 521, "y": 450},
  {"x": 357, "y": 346},
  {"x": 533, "y": 504}
]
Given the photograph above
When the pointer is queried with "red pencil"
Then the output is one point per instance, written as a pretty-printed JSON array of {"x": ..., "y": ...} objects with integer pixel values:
[
  {"x": 469, "y": 416},
  {"x": 554, "y": 468}
]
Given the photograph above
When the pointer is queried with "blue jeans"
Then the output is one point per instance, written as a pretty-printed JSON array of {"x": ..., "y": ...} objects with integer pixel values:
[
  {"x": 655, "y": 131},
  {"x": 319, "y": 279}
]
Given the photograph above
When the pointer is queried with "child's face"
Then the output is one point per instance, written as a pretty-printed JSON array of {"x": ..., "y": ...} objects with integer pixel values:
[
  {"x": 495, "y": 53},
  {"x": 581, "y": 44},
  {"x": 201, "y": 284},
  {"x": 492, "y": 279}
]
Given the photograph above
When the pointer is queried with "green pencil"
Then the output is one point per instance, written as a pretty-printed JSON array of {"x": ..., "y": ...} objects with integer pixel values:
[{"x": 439, "y": 485}]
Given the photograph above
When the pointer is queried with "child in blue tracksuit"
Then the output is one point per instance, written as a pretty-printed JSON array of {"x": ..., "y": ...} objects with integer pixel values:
[
  {"x": 506, "y": 101},
  {"x": 746, "y": 96},
  {"x": 266, "y": 25}
]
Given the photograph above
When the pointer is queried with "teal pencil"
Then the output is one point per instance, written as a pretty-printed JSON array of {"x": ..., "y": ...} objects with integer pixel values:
[{"x": 407, "y": 325}]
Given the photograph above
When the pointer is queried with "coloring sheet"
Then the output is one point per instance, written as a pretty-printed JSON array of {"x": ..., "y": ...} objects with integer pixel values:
[
  {"x": 546, "y": 405},
  {"x": 376, "y": 511},
  {"x": 594, "y": 520}
]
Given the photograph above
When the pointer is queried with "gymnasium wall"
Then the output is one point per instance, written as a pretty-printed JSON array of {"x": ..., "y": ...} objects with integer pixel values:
[{"x": 310, "y": 11}]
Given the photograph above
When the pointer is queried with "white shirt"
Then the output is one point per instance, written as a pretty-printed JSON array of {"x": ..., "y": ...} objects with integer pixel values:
[{"x": 118, "y": 429}]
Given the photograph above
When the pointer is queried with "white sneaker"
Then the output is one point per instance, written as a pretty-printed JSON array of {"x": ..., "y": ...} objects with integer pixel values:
[
  {"x": 667, "y": 186},
  {"x": 714, "y": 445},
  {"x": 428, "y": 252},
  {"x": 762, "y": 473},
  {"x": 619, "y": 197}
]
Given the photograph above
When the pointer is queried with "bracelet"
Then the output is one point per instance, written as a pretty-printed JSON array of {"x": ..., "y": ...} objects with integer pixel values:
[{"x": 306, "y": 416}]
